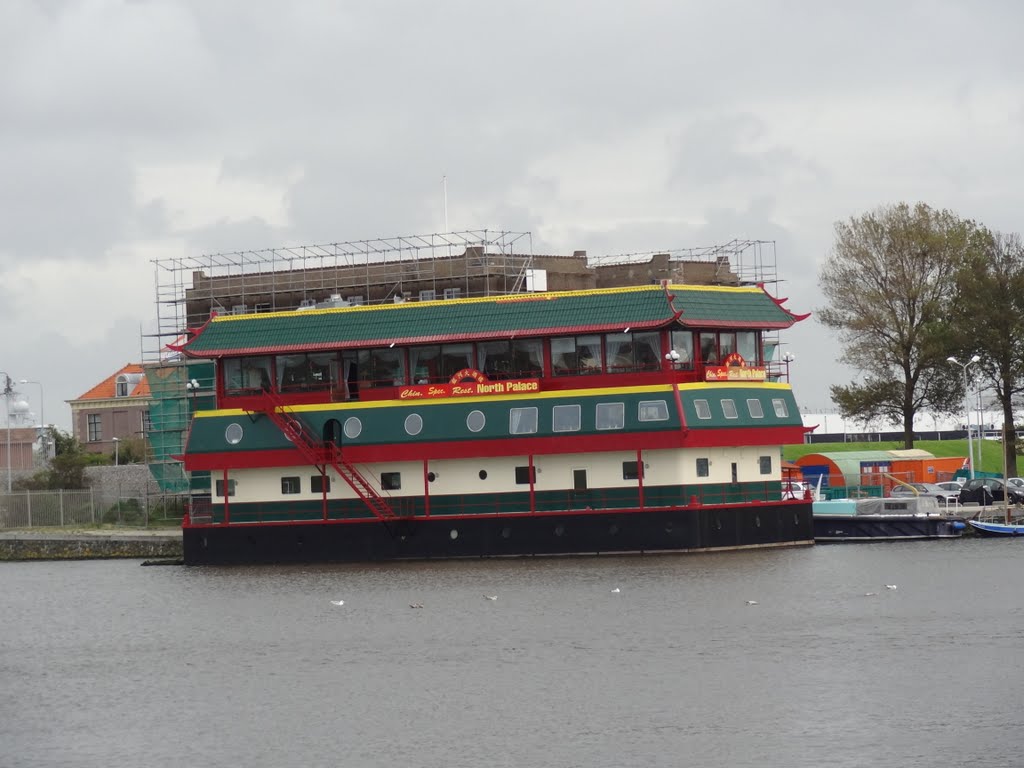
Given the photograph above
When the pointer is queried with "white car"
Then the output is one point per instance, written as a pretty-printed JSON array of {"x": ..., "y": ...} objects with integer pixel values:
[{"x": 794, "y": 489}]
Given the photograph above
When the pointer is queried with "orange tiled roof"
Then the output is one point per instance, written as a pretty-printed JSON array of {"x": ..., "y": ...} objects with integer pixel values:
[{"x": 107, "y": 388}]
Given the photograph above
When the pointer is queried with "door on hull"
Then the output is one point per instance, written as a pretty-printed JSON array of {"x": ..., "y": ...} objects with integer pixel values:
[{"x": 332, "y": 432}]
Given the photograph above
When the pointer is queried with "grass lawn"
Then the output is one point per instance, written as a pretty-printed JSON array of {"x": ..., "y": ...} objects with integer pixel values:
[{"x": 991, "y": 450}]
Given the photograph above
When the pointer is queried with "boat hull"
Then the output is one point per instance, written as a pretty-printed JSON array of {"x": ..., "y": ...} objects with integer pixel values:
[
  {"x": 996, "y": 530},
  {"x": 690, "y": 529},
  {"x": 839, "y": 528}
]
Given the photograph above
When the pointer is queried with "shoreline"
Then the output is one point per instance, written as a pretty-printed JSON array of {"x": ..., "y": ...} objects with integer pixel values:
[{"x": 100, "y": 544}]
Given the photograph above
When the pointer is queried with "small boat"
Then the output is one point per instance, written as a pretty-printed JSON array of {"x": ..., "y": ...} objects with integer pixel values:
[
  {"x": 983, "y": 528},
  {"x": 886, "y": 519}
]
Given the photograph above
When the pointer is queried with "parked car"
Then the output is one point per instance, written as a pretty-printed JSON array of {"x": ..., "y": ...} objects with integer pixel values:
[
  {"x": 988, "y": 490},
  {"x": 952, "y": 485},
  {"x": 794, "y": 489},
  {"x": 1015, "y": 482},
  {"x": 944, "y": 495}
]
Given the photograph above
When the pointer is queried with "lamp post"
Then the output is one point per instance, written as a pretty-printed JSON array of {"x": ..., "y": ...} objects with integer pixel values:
[
  {"x": 7, "y": 409},
  {"x": 42, "y": 416},
  {"x": 117, "y": 442},
  {"x": 787, "y": 359},
  {"x": 967, "y": 408}
]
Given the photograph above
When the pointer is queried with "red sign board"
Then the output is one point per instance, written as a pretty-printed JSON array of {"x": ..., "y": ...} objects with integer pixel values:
[
  {"x": 735, "y": 369},
  {"x": 467, "y": 383}
]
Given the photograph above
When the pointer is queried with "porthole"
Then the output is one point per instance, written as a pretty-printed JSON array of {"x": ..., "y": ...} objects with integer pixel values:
[
  {"x": 483, "y": 474},
  {"x": 475, "y": 421},
  {"x": 431, "y": 477},
  {"x": 454, "y": 534},
  {"x": 559, "y": 530},
  {"x": 353, "y": 426},
  {"x": 718, "y": 524},
  {"x": 413, "y": 424},
  {"x": 613, "y": 530},
  {"x": 506, "y": 532},
  {"x": 233, "y": 434},
  {"x": 757, "y": 520}
]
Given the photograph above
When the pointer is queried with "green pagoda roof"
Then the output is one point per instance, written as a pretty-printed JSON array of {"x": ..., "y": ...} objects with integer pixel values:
[{"x": 494, "y": 317}]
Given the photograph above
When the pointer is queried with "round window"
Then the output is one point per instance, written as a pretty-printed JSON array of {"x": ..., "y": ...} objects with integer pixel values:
[
  {"x": 454, "y": 534},
  {"x": 431, "y": 477},
  {"x": 353, "y": 426},
  {"x": 475, "y": 421},
  {"x": 483, "y": 474},
  {"x": 233, "y": 434},
  {"x": 413, "y": 424}
]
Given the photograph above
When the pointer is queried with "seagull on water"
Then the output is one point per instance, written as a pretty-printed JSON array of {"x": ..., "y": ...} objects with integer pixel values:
[
  {"x": 751, "y": 602},
  {"x": 890, "y": 586},
  {"x": 870, "y": 594},
  {"x": 337, "y": 602},
  {"x": 491, "y": 597},
  {"x": 616, "y": 590},
  {"x": 415, "y": 605}
]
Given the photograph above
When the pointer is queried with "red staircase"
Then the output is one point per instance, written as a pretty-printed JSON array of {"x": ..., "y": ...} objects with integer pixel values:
[{"x": 323, "y": 455}]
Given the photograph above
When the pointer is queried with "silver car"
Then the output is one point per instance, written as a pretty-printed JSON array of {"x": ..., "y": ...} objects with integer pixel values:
[{"x": 944, "y": 495}]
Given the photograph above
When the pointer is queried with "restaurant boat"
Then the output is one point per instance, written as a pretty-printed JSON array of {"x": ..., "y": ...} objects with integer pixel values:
[{"x": 625, "y": 420}]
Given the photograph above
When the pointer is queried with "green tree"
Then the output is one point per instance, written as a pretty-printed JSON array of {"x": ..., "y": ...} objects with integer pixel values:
[
  {"x": 889, "y": 282},
  {"x": 67, "y": 467},
  {"x": 989, "y": 317}
]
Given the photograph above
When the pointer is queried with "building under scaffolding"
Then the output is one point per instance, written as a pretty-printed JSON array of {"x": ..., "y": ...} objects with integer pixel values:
[{"x": 416, "y": 268}]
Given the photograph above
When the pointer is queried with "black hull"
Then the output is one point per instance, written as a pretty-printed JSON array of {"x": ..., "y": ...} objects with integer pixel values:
[
  {"x": 669, "y": 530},
  {"x": 836, "y": 528}
]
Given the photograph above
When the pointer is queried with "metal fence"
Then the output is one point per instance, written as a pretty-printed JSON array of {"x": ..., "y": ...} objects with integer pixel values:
[{"x": 75, "y": 509}]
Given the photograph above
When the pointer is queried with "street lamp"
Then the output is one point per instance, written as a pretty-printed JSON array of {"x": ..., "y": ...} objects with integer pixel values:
[
  {"x": 117, "y": 442},
  {"x": 787, "y": 359},
  {"x": 7, "y": 408},
  {"x": 42, "y": 417},
  {"x": 967, "y": 409}
]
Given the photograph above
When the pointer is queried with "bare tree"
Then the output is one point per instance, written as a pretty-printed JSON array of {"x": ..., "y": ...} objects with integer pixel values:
[{"x": 890, "y": 284}]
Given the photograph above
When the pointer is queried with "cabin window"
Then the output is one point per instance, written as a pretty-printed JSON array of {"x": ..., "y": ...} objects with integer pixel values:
[
  {"x": 353, "y": 427},
  {"x": 482, "y": 474},
  {"x": 746, "y": 345},
  {"x": 565, "y": 418},
  {"x": 303, "y": 373},
  {"x": 703, "y": 409},
  {"x": 390, "y": 481},
  {"x": 703, "y": 467},
  {"x": 291, "y": 485},
  {"x": 95, "y": 423},
  {"x": 611, "y": 415},
  {"x": 246, "y": 375},
  {"x": 516, "y": 359},
  {"x": 475, "y": 421},
  {"x": 526, "y": 475},
  {"x": 455, "y": 358},
  {"x": 681, "y": 354},
  {"x": 628, "y": 352},
  {"x": 413, "y": 424},
  {"x": 320, "y": 484},
  {"x": 780, "y": 408},
  {"x": 233, "y": 433},
  {"x": 754, "y": 408},
  {"x": 709, "y": 348},
  {"x": 522, "y": 421},
  {"x": 425, "y": 363},
  {"x": 766, "y": 465},
  {"x": 632, "y": 470},
  {"x": 219, "y": 488},
  {"x": 384, "y": 367},
  {"x": 653, "y": 410},
  {"x": 576, "y": 355},
  {"x": 729, "y": 408},
  {"x": 726, "y": 345}
]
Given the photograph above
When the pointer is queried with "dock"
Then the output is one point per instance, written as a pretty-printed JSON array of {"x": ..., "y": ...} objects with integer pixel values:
[{"x": 20, "y": 545}]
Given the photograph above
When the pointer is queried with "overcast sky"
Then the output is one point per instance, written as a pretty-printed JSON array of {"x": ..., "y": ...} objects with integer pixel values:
[{"x": 134, "y": 130}]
